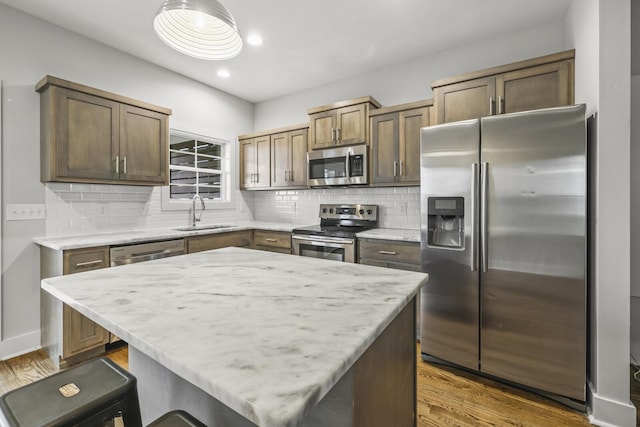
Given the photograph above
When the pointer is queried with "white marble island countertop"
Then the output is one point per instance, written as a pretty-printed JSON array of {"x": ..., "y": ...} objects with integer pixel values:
[{"x": 266, "y": 334}]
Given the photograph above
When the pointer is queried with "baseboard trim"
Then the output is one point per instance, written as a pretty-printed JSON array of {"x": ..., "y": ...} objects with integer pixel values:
[
  {"x": 605, "y": 412},
  {"x": 17, "y": 346}
]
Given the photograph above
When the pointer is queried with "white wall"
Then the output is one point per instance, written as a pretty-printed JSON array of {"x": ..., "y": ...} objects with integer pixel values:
[
  {"x": 601, "y": 29},
  {"x": 411, "y": 81},
  {"x": 32, "y": 48},
  {"x": 635, "y": 179}
]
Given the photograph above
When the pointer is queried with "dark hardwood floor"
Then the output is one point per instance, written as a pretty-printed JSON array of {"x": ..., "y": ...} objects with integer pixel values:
[{"x": 446, "y": 396}]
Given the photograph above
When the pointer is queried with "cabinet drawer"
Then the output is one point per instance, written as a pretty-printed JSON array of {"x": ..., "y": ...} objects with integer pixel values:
[
  {"x": 218, "y": 240},
  {"x": 78, "y": 260},
  {"x": 389, "y": 252},
  {"x": 274, "y": 239}
]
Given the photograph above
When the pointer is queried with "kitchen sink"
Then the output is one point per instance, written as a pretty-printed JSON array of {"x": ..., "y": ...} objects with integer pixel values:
[{"x": 203, "y": 227}]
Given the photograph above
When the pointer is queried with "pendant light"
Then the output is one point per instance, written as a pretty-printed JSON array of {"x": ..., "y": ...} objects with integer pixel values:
[{"x": 203, "y": 29}]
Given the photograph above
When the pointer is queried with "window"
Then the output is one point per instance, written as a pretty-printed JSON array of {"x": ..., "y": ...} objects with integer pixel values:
[{"x": 197, "y": 165}]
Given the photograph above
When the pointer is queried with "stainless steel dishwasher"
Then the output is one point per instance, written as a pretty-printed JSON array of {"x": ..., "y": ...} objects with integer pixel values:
[{"x": 130, "y": 254}]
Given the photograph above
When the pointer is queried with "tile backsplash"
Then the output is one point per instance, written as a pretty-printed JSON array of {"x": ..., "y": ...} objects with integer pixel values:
[
  {"x": 399, "y": 207},
  {"x": 95, "y": 208}
]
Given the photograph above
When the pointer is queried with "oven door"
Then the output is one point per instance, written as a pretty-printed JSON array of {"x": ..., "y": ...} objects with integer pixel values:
[{"x": 332, "y": 248}]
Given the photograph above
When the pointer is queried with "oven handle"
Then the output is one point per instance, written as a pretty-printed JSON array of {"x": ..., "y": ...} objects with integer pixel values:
[{"x": 324, "y": 241}]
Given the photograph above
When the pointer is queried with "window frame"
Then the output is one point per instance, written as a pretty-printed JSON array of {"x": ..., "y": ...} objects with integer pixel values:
[{"x": 228, "y": 174}]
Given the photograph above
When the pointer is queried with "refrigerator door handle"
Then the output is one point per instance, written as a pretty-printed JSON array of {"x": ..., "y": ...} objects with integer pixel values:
[
  {"x": 474, "y": 214},
  {"x": 484, "y": 172}
]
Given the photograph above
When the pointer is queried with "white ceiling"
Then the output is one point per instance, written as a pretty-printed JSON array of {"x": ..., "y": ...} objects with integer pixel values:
[{"x": 306, "y": 43}]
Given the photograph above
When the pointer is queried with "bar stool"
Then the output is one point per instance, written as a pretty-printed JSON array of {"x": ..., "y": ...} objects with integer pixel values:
[
  {"x": 94, "y": 393},
  {"x": 176, "y": 419}
]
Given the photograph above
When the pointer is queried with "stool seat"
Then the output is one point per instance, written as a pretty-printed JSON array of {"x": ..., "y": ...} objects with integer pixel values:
[
  {"x": 89, "y": 394},
  {"x": 176, "y": 419}
]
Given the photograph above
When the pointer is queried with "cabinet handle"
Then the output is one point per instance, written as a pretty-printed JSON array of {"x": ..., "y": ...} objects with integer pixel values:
[
  {"x": 402, "y": 165},
  {"x": 500, "y": 102},
  {"x": 271, "y": 240},
  {"x": 491, "y": 105},
  {"x": 257, "y": 177},
  {"x": 290, "y": 175},
  {"x": 86, "y": 263},
  {"x": 124, "y": 167},
  {"x": 333, "y": 135},
  {"x": 387, "y": 253},
  {"x": 395, "y": 168},
  {"x": 117, "y": 164},
  {"x": 338, "y": 135},
  {"x": 286, "y": 176}
]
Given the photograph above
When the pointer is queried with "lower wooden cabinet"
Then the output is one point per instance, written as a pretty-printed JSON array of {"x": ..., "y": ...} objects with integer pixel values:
[
  {"x": 273, "y": 241},
  {"x": 389, "y": 253},
  {"x": 241, "y": 239},
  {"x": 392, "y": 254},
  {"x": 68, "y": 336}
]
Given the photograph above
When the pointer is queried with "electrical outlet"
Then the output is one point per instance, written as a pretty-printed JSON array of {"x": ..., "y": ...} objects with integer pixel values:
[{"x": 25, "y": 212}]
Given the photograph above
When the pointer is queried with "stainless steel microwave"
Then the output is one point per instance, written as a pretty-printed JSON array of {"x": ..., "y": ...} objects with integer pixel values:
[{"x": 337, "y": 166}]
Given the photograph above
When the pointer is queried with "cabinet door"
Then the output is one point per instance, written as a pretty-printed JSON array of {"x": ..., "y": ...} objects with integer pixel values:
[
  {"x": 410, "y": 123},
  {"x": 466, "y": 100},
  {"x": 143, "y": 145},
  {"x": 247, "y": 163},
  {"x": 263, "y": 162},
  {"x": 298, "y": 153},
  {"x": 86, "y": 132},
  {"x": 280, "y": 159},
  {"x": 544, "y": 86},
  {"x": 321, "y": 129},
  {"x": 80, "y": 333},
  {"x": 352, "y": 124},
  {"x": 384, "y": 147}
]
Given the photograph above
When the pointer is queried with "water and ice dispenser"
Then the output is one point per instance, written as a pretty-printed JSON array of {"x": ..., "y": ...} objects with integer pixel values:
[{"x": 445, "y": 222}]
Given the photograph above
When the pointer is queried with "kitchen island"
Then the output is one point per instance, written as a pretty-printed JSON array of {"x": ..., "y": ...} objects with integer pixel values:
[{"x": 240, "y": 337}]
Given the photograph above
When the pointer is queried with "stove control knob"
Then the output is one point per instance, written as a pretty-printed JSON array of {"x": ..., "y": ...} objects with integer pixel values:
[
  {"x": 369, "y": 211},
  {"x": 361, "y": 211},
  {"x": 330, "y": 210},
  {"x": 324, "y": 210}
]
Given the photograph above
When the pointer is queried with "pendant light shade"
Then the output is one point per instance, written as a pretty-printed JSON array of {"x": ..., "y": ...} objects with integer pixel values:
[{"x": 203, "y": 29}]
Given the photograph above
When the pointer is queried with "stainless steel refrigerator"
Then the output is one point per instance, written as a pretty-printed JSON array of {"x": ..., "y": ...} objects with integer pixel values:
[{"x": 503, "y": 238}]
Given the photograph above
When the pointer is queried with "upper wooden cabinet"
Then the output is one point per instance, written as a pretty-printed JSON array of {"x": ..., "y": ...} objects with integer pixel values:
[
  {"x": 341, "y": 123},
  {"x": 395, "y": 142},
  {"x": 89, "y": 135},
  {"x": 543, "y": 82},
  {"x": 255, "y": 161},
  {"x": 289, "y": 159},
  {"x": 274, "y": 159}
]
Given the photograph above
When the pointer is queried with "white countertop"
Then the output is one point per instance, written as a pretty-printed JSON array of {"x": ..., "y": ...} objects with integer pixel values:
[
  {"x": 391, "y": 234},
  {"x": 140, "y": 236},
  {"x": 266, "y": 334}
]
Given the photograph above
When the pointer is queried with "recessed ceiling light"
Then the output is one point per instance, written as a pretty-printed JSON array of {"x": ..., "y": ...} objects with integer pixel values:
[
  {"x": 254, "y": 39},
  {"x": 224, "y": 73}
]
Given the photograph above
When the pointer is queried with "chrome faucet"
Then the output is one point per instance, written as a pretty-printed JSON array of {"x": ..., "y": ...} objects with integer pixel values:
[{"x": 194, "y": 219}]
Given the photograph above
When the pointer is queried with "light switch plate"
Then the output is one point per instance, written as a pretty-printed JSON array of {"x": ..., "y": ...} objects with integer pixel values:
[{"x": 25, "y": 212}]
